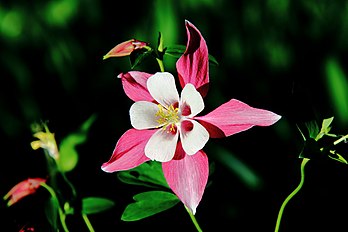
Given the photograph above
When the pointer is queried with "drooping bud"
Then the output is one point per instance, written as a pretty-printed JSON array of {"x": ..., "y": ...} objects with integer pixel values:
[{"x": 125, "y": 48}]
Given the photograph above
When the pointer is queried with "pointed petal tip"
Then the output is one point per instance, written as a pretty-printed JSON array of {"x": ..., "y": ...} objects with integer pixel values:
[
  {"x": 104, "y": 167},
  {"x": 276, "y": 118}
]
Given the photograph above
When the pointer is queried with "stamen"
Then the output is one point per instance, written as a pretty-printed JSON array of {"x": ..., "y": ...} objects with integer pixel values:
[{"x": 167, "y": 117}]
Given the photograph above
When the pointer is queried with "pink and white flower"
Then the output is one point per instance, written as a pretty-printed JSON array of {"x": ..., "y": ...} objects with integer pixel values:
[{"x": 167, "y": 127}]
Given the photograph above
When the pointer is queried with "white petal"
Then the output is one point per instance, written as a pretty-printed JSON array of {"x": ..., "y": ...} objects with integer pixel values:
[
  {"x": 193, "y": 140},
  {"x": 163, "y": 89},
  {"x": 142, "y": 115},
  {"x": 192, "y": 98},
  {"x": 161, "y": 146}
]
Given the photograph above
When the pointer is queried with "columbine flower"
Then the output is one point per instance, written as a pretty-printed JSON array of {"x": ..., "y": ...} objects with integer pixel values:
[
  {"x": 46, "y": 141},
  {"x": 23, "y": 189},
  {"x": 125, "y": 48},
  {"x": 167, "y": 128}
]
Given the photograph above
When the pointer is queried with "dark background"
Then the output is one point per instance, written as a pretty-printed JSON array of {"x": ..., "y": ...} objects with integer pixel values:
[{"x": 285, "y": 56}]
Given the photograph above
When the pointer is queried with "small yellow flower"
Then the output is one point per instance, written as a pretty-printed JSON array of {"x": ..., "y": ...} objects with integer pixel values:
[{"x": 46, "y": 141}]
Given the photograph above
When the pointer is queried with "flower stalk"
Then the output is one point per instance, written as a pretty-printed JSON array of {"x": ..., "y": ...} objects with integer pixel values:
[
  {"x": 292, "y": 194},
  {"x": 193, "y": 218}
]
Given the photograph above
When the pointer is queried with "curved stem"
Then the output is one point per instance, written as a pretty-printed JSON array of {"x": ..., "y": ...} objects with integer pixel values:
[
  {"x": 61, "y": 213},
  {"x": 160, "y": 63},
  {"x": 194, "y": 220},
  {"x": 304, "y": 161},
  {"x": 88, "y": 223}
]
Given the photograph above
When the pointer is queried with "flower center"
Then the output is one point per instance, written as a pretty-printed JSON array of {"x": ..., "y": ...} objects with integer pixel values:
[{"x": 167, "y": 117}]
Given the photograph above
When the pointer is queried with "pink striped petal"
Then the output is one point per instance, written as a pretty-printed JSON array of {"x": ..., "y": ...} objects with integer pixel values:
[
  {"x": 134, "y": 85},
  {"x": 129, "y": 151},
  {"x": 235, "y": 116},
  {"x": 187, "y": 177},
  {"x": 193, "y": 65}
]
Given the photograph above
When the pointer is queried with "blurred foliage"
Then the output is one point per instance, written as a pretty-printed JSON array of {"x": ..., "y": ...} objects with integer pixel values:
[{"x": 285, "y": 56}]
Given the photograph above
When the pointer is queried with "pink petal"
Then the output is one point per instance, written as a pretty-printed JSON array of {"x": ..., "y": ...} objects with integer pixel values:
[
  {"x": 129, "y": 151},
  {"x": 134, "y": 85},
  {"x": 187, "y": 177},
  {"x": 193, "y": 65},
  {"x": 235, "y": 116}
]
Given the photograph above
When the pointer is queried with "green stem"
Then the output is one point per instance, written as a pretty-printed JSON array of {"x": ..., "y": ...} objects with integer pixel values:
[
  {"x": 88, "y": 223},
  {"x": 160, "y": 63},
  {"x": 340, "y": 139},
  {"x": 193, "y": 219},
  {"x": 304, "y": 161},
  {"x": 61, "y": 213}
]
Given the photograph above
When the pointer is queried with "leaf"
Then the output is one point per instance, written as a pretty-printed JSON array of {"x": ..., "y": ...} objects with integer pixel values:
[
  {"x": 148, "y": 174},
  {"x": 149, "y": 203},
  {"x": 92, "y": 205},
  {"x": 177, "y": 51},
  {"x": 325, "y": 128},
  {"x": 138, "y": 56},
  {"x": 313, "y": 129},
  {"x": 311, "y": 150},
  {"x": 339, "y": 157},
  {"x": 67, "y": 149},
  {"x": 51, "y": 212}
]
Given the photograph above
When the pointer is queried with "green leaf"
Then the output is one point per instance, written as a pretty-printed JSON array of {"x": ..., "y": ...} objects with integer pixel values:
[
  {"x": 138, "y": 56},
  {"x": 149, "y": 203},
  {"x": 339, "y": 157},
  {"x": 148, "y": 174},
  {"x": 91, "y": 205},
  {"x": 213, "y": 60},
  {"x": 311, "y": 150},
  {"x": 325, "y": 128},
  {"x": 67, "y": 149},
  {"x": 313, "y": 129},
  {"x": 177, "y": 51},
  {"x": 51, "y": 212}
]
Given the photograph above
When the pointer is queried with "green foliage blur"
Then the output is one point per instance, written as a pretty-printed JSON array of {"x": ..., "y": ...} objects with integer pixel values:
[{"x": 285, "y": 56}]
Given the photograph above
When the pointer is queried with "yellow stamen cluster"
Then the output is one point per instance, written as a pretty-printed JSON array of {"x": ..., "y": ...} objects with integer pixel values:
[{"x": 167, "y": 116}]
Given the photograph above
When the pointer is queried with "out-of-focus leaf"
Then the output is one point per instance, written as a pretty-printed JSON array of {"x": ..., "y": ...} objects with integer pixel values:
[
  {"x": 68, "y": 155},
  {"x": 245, "y": 173},
  {"x": 92, "y": 205},
  {"x": 337, "y": 85},
  {"x": 149, "y": 203},
  {"x": 51, "y": 212},
  {"x": 148, "y": 174}
]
